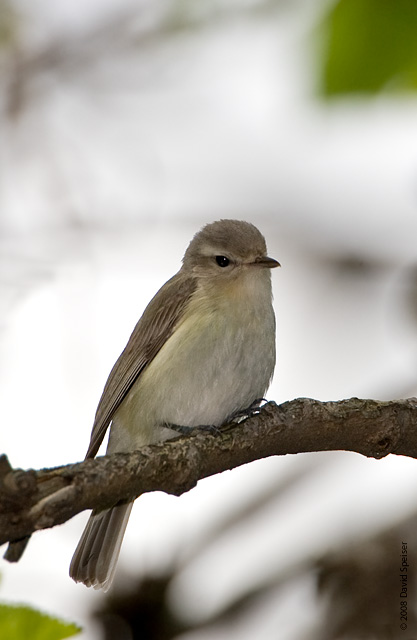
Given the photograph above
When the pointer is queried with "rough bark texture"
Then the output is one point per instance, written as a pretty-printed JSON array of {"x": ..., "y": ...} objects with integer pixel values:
[{"x": 32, "y": 500}]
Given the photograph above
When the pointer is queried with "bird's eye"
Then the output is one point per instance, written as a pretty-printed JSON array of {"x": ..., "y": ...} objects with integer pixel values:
[{"x": 222, "y": 261}]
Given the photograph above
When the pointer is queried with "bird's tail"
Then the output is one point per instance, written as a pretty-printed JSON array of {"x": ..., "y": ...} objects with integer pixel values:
[{"x": 95, "y": 558}]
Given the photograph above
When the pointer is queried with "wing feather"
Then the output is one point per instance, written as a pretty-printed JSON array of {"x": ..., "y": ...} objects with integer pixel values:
[{"x": 149, "y": 335}]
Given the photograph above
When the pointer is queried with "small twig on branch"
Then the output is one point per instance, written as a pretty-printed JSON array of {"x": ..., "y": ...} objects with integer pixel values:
[{"x": 32, "y": 500}]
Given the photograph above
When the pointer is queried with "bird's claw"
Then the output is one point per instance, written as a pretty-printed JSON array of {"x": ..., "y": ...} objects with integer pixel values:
[
  {"x": 252, "y": 410},
  {"x": 186, "y": 431},
  {"x": 240, "y": 415}
]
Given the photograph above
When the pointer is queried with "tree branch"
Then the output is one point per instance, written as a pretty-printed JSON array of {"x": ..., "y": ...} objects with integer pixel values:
[{"x": 32, "y": 500}]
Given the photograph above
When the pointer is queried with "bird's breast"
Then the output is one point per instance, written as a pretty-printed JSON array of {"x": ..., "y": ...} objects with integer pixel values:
[{"x": 218, "y": 360}]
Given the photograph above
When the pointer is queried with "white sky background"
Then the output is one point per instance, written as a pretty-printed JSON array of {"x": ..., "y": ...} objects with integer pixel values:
[{"x": 111, "y": 166}]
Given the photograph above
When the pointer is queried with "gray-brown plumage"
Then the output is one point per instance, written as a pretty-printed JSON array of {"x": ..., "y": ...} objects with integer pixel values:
[
  {"x": 203, "y": 350},
  {"x": 149, "y": 335}
]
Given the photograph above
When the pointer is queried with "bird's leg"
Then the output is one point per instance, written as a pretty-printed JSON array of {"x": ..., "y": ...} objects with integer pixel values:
[
  {"x": 252, "y": 410},
  {"x": 186, "y": 431}
]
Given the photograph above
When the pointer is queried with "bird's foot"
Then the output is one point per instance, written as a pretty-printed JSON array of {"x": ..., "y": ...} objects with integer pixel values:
[
  {"x": 203, "y": 428},
  {"x": 252, "y": 410},
  {"x": 240, "y": 415}
]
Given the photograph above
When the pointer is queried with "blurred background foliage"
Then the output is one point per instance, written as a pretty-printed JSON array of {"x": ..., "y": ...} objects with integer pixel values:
[
  {"x": 125, "y": 126},
  {"x": 369, "y": 46},
  {"x": 19, "y": 623}
]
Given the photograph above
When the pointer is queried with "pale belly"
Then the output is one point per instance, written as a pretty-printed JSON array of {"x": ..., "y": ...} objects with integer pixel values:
[{"x": 208, "y": 370}]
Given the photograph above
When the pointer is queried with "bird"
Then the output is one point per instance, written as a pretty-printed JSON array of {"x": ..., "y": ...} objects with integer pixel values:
[{"x": 202, "y": 353}]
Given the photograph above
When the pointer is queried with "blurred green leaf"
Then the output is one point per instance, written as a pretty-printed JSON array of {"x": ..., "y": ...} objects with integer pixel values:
[
  {"x": 9, "y": 24},
  {"x": 24, "y": 623},
  {"x": 369, "y": 45}
]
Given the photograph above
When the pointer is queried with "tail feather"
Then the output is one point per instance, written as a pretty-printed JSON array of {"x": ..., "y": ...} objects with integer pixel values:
[{"x": 95, "y": 558}]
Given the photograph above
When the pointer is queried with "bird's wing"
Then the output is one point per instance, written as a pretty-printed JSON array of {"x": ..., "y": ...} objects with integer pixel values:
[{"x": 151, "y": 332}]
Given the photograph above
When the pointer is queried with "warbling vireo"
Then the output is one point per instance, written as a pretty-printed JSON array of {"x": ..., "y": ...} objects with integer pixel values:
[{"x": 203, "y": 351}]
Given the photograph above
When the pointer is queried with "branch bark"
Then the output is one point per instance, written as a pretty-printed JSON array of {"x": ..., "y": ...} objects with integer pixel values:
[{"x": 32, "y": 500}]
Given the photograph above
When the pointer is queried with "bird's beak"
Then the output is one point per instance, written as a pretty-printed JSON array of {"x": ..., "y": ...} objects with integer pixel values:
[{"x": 266, "y": 263}]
